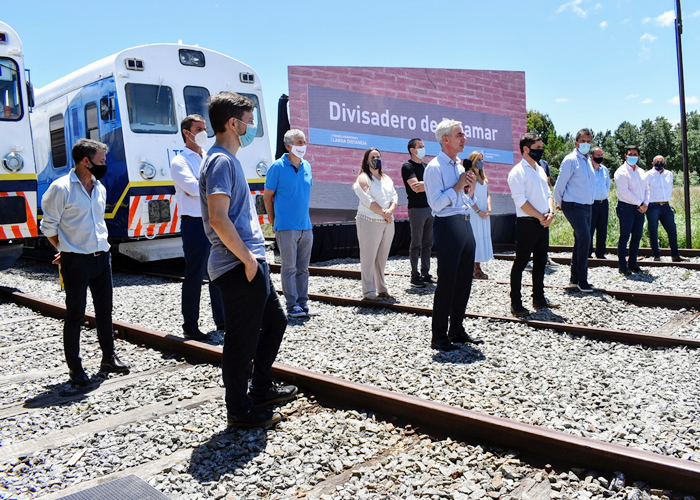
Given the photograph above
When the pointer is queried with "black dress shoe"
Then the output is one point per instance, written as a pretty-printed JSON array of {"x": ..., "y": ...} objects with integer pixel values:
[
  {"x": 636, "y": 269},
  {"x": 428, "y": 279},
  {"x": 443, "y": 345},
  {"x": 195, "y": 334},
  {"x": 625, "y": 272},
  {"x": 79, "y": 377},
  {"x": 114, "y": 365},
  {"x": 543, "y": 303},
  {"x": 463, "y": 338},
  {"x": 221, "y": 327},
  {"x": 657, "y": 258},
  {"x": 678, "y": 258},
  {"x": 518, "y": 310}
]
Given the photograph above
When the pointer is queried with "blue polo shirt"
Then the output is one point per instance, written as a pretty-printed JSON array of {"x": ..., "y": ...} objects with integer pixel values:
[{"x": 292, "y": 193}]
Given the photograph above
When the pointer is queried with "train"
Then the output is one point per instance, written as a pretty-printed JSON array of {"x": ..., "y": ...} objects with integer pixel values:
[
  {"x": 134, "y": 101},
  {"x": 18, "y": 177}
]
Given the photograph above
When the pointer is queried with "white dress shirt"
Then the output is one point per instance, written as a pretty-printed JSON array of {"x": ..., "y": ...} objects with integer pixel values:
[
  {"x": 631, "y": 185},
  {"x": 529, "y": 184},
  {"x": 78, "y": 218},
  {"x": 185, "y": 168},
  {"x": 660, "y": 185}
]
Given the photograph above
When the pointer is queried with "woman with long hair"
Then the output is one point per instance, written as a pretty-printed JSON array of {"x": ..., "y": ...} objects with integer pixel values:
[
  {"x": 481, "y": 224},
  {"x": 375, "y": 223}
]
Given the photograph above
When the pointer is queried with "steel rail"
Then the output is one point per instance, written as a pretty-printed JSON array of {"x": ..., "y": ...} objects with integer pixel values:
[
  {"x": 610, "y": 262},
  {"x": 645, "y": 251},
  {"x": 605, "y": 334},
  {"x": 432, "y": 416}
]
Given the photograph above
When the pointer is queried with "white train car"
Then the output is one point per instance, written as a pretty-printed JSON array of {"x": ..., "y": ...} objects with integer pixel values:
[
  {"x": 18, "y": 180},
  {"x": 134, "y": 102}
]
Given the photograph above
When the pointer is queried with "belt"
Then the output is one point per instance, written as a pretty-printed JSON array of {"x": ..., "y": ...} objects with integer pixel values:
[
  {"x": 89, "y": 254},
  {"x": 658, "y": 203},
  {"x": 466, "y": 217},
  {"x": 529, "y": 218},
  {"x": 600, "y": 201}
]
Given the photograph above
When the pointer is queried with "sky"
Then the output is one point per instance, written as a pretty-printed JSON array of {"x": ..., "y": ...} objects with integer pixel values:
[{"x": 587, "y": 63}]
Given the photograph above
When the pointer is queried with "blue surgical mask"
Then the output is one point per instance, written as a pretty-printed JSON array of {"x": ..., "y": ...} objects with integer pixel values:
[
  {"x": 584, "y": 148},
  {"x": 420, "y": 153},
  {"x": 632, "y": 160},
  {"x": 247, "y": 138},
  {"x": 479, "y": 164}
]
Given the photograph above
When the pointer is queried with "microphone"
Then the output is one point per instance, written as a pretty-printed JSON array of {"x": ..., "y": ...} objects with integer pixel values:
[{"x": 467, "y": 163}]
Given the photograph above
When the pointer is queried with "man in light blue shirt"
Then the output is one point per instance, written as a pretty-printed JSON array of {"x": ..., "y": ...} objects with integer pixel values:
[
  {"x": 600, "y": 208},
  {"x": 573, "y": 193},
  {"x": 287, "y": 198},
  {"x": 74, "y": 223},
  {"x": 450, "y": 192}
]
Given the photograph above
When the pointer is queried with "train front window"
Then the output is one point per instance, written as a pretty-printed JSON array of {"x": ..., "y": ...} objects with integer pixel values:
[
  {"x": 196, "y": 104},
  {"x": 151, "y": 109},
  {"x": 10, "y": 91},
  {"x": 257, "y": 119}
]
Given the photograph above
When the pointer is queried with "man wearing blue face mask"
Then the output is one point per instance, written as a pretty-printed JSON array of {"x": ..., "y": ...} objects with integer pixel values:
[
  {"x": 573, "y": 193},
  {"x": 419, "y": 214},
  {"x": 255, "y": 320},
  {"x": 660, "y": 184},
  {"x": 633, "y": 201}
]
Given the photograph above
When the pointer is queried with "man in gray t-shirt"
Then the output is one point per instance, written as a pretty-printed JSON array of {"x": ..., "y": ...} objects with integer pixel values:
[{"x": 255, "y": 320}]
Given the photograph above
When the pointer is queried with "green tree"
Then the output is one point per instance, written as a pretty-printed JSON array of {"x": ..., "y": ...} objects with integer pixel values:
[
  {"x": 542, "y": 125},
  {"x": 656, "y": 138},
  {"x": 625, "y": 135}
]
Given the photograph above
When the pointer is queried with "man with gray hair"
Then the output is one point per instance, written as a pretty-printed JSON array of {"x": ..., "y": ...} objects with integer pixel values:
[
  {"x": 74, "y": 223},
  {"x": 287, "y": 197},
  {"x": 450, "y": 192}
]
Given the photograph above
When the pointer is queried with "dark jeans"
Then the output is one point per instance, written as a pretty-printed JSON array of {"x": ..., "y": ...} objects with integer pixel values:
[
  {"x": 455, "y": 245},
  {"x": 599, "y": 226},
  {"x": 255, "y": 324},
  {"x": 80, "y": 272},
  {"x": 196, "y": 246},
  {"x": 631, "y": 224},
  {"x": 579, "y": 216},
  {"x": 530, "y": 239},
  {"x": 663, "y": 213},
  {"x": 421, "y": 221}
]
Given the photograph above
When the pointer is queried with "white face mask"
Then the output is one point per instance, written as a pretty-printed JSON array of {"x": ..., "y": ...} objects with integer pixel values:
[
  {"x": 420, "y": 153},
  {"x": 299, "y": 151},
  {"x": 201, "y": 138}
]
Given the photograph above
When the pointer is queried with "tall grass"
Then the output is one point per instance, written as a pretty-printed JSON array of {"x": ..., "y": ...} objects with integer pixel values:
[{"x": 560, "y": 232}]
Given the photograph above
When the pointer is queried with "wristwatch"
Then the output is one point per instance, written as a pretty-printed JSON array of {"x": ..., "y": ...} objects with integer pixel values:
[{"x": 477, "y": 210}]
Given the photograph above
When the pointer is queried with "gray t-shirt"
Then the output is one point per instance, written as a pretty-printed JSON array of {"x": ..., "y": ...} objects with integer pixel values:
[{"x": 222, "y": 174}]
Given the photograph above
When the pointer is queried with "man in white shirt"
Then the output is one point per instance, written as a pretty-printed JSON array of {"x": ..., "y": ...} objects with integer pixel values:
[
  {"x": 534, "y": 208},
  {"x": 660, "y": 184},
  {"x": 633, "y": 201},
  {"x": 184, "y": 169}
]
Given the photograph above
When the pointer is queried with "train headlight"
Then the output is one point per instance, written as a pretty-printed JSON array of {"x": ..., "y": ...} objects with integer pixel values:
[
  {"x": 13, "y": 162},
  {"x": 148, "y": 171},
  {"x": 261, "y": 169}
]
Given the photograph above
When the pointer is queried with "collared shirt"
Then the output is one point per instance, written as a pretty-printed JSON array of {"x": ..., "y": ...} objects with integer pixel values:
[
  {"x": 292, "y": 196},
  {"x": 222, "y": 173},
  {"x": 660, "y": 185},
  {"x": 440, "y": 175},
  {"x": 185, "y": 168},
  {"x": 602, "y": 183},
  {"x": 78, "y": 218},
  {"x": 576, "y": 180},
  {"x": 631, "y": 185},
  {"x": 529, "y": 184}
]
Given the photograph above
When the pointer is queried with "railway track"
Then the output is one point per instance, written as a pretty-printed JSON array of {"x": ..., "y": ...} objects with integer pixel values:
[
  {"x": 613, "y": 335},
  {"x": 430, "y": 416}
]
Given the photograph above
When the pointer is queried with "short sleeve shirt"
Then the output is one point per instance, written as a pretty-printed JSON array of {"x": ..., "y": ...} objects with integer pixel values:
[
  {"x": 409, "y": 170},
  {"x": 292, "y": 189},
  {"x": 222, "y": 173}
]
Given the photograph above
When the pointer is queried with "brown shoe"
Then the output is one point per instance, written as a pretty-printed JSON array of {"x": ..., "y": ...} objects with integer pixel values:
[{"x": 678, "y": 258}]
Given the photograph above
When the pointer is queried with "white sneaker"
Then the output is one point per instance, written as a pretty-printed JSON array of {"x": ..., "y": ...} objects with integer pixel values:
[
  {"x": 296, "y": 312},
  {"x": 310, "y": 311}
]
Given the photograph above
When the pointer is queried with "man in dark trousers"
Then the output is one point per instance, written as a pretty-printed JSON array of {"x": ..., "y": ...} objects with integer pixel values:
[
  {"x": 255, "y": 320},
  {"x": 450, "y": 192},
  {"x": 419, "y": 215},
  {"x": 74, "y": 223}
]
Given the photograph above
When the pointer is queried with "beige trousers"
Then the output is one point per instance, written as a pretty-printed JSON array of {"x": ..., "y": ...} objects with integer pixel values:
[{"x": 375, "y": 242}]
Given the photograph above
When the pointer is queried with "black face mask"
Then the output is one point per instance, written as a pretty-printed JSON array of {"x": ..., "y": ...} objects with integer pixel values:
[
  {"x": 659, "y": 166},
  {"x": 98, "y": 171},
  {"x": 597, "y": 160},
  {"x": 536, "y": 154}
]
